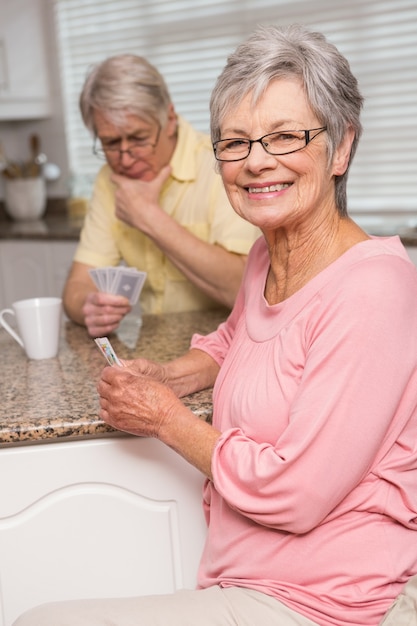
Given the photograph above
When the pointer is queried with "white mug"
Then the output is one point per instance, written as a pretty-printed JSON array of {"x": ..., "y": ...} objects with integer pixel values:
[{"x": 38, "y": 322}]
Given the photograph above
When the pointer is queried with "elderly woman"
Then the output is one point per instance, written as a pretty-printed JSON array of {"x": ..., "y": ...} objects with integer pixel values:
[{"x": 311, "y": 459}]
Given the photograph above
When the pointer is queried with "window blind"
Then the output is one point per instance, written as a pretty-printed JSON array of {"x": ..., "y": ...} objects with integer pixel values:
[{"x": 189, "y": 41}]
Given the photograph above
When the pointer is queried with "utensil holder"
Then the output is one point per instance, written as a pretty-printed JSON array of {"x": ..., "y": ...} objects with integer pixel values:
[{"x": 25, "y": 198}]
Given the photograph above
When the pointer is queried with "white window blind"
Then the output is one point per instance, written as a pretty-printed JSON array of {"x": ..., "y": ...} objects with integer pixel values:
[{"x": 189, "y": 41}]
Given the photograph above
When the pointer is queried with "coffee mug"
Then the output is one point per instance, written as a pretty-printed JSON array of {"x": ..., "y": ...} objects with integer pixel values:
[{"x": 38, "y": 322}]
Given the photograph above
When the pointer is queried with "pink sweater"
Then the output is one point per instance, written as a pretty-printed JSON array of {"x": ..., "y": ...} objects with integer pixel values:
[{"x": 314, "y": 496}]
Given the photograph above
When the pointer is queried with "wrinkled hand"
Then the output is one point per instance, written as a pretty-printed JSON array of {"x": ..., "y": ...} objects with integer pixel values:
[
  {"x": 137, "y": 201},
  {"x": 135, "y": 403},
  {"x": 103, "y": 312},
  {"x": 148, "y": 368}
]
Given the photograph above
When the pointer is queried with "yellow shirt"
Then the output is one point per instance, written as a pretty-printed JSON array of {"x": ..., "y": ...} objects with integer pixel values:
[{"x": 194, "y": 196}]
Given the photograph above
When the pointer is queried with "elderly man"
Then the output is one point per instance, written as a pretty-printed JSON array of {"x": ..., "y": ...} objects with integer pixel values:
[{"x": 158, "y": 203}]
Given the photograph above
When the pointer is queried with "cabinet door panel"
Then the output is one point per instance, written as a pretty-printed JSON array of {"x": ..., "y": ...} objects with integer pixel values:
[
  {"x": 26, "y": 269},
  {"x": 30, "y": 269},
  {"x": 98, "y": 518},
  {"x": 62, "y": 254},
  {"x": 24, "y": 83}
]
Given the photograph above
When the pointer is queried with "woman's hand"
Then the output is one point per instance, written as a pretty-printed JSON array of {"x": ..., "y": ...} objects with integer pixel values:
[
  {"x": 193, "y": 371},
  {"x": 135, "y": 403},
  {"x": 135, "y": 399},
  {"x": 144, "y": 367}
]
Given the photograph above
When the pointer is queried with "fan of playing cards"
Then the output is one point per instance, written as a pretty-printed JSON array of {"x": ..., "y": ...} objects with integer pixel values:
[{"x": 120, "y": 280}]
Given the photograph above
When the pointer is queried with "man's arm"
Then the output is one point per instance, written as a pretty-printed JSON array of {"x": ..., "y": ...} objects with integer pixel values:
[
  {"x": 210, "y": 267},
  {"x": 78, "y": 285}
]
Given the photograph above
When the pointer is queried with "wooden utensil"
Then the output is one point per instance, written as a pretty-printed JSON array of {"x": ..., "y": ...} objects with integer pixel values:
[
  {"x": 33, "y": 168},
  {"x": 9, "y": 169}
]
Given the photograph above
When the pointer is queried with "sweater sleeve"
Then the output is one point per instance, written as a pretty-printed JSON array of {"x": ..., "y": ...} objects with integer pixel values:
[{"x": 352, "y": 418}]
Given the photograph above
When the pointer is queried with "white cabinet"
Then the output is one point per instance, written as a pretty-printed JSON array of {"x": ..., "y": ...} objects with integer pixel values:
[
  {"x": 97, "y": 518},
  {"x": 24, "y": 81},
  {"x": 30, "y": 269}
]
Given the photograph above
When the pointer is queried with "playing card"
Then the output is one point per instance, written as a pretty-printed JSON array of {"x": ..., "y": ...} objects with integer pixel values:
[
  {"x": 111, "y": 273},
  {"x": 107, "y": 350},
  {"x": 128, "y": 283},
  {"x": 119, "y": 280},
  {"x": 95, "y": 275}
]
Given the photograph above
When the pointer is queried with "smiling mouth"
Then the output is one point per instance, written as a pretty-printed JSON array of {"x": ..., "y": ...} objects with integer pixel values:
[{"x": 269, "y": 188}]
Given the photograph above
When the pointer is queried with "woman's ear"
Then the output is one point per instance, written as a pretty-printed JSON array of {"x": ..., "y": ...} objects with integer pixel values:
[{"x": 342, "y": 154}]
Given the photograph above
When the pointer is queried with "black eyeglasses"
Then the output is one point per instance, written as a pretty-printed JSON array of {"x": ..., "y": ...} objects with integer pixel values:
[
  {"x": 279, "y": 143},
  {"x": 138, "y": 148}
]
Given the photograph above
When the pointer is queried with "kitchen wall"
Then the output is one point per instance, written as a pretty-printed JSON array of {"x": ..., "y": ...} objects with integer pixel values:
[{"x": 14, "y": 136}]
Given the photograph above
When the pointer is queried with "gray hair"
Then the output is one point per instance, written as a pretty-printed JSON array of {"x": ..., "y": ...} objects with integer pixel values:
[
  {"x": 121, "y": 85},
  {"x": 271, "y": 53}
]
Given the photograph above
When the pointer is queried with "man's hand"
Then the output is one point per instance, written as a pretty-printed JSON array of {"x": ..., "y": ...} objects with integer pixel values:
[
  {"x": 137, "y": 201},
  {"x": 103, "y": 312}
]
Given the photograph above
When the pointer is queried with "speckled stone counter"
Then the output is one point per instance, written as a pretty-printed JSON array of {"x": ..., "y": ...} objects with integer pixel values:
[
  {"x": 53, "y": 227},
  {"x": 56, "y": 399}
]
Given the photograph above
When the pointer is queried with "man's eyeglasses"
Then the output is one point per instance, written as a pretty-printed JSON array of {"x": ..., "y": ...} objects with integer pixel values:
[
  {"x": 279, "y": 143},
  {"x": 138, "y": 147}
]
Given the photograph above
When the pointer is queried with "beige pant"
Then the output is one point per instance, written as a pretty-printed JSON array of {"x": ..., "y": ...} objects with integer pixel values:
[
  {"x": 210, "y": 607},
  {"x": 404, "y": 610}
]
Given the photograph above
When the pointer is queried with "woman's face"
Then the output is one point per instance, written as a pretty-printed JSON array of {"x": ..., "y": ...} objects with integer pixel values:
[
  {"x": 280, "y": 191},
  {"x": 138, "y": 149}
]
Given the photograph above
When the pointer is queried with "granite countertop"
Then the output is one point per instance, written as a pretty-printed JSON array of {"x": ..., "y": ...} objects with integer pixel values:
[
  {"x": 56, "y": 399},
  {"x": 60, "y": 227}
]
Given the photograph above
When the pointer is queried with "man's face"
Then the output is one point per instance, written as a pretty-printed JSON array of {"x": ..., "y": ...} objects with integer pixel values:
[{"x": 137, "y": 148}]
